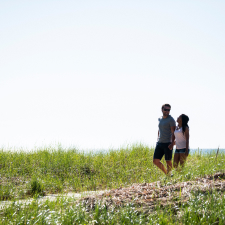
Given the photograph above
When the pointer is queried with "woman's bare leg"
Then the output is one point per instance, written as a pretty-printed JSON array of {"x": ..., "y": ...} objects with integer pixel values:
[
  {"x": 183, "y": 158},
  {"x": 176, "y": 160}
]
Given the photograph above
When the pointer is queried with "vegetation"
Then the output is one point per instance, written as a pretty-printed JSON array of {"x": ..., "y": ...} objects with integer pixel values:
[
  {"x": 200, "y": 209},
  {"x": 31, "y": 174}
]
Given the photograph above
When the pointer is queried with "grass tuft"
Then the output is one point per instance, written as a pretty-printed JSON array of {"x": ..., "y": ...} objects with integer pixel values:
[{"x": 37, "y": 187}]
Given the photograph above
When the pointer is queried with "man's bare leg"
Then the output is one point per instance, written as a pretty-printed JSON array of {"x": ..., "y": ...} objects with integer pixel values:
[
  {"x": 169, "y": 166},
  {"x": 160, "y": 165}
]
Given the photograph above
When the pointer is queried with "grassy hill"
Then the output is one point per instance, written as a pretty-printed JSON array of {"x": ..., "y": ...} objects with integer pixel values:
[{"x": 46, "y": 171}]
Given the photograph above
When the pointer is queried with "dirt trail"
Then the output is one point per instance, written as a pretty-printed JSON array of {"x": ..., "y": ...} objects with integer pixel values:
[{"x": 52, "y": 197}]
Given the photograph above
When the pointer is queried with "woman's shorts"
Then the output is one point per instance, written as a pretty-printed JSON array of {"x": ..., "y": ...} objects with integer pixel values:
[
  {"x": 181, "y": 150},
  {"x": 162, "y": 149}
]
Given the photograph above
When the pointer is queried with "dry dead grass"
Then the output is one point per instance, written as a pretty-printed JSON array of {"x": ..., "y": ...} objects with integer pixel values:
[{"x": 149, "y": 195}]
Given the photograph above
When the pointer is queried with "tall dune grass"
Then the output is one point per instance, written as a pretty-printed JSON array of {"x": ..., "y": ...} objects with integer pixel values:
[{"x": 48, "y": 170}]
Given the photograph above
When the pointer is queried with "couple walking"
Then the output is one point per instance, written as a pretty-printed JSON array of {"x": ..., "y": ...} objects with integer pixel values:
[{"x": 169, "y": 135}]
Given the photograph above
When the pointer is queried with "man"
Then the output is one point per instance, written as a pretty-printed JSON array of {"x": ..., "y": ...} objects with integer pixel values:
[{"x": 164, "y": 146}]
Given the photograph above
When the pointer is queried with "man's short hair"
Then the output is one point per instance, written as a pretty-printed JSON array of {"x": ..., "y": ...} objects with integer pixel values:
[{"x": 168, "y": 105}]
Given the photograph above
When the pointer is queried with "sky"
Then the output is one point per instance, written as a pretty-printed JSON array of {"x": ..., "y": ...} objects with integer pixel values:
[{"x": 94, "y": 74}]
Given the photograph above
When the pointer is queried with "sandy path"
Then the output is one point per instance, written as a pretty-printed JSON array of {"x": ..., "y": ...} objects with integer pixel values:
[{"x": 53, "y": 197}]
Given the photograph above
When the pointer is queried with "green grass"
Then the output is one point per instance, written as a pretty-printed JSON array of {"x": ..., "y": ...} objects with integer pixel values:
[
  {"x": 201, "y": 209},
  {"x": 48, "y": 170},
  {"x": 27, "y": 174}
]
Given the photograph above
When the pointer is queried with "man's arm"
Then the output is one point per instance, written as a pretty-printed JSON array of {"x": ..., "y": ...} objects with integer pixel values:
[{"x": 173, "y": 137}]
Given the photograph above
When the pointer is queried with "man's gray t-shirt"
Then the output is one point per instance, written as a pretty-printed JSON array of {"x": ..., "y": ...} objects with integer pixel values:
[{"x": 165, "y": 124}]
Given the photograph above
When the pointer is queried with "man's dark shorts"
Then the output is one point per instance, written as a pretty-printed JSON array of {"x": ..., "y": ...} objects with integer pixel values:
[{"x": 162, "y": 149}]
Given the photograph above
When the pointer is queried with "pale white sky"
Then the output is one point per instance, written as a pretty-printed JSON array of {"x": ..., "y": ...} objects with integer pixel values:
[{"x": 94, "y": 74}]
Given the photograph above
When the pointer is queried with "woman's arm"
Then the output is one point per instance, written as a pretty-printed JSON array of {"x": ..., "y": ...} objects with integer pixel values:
[
  {"x": 173, "y": 138},
  {"x": 186, "y": 133}
]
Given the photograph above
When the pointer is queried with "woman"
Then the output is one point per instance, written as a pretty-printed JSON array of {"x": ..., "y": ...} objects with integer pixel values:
[{"x": 182, "y": 141}]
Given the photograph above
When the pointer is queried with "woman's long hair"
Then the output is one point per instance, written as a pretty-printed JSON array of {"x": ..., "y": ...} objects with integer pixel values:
[{"x": 185, "y": 120}]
